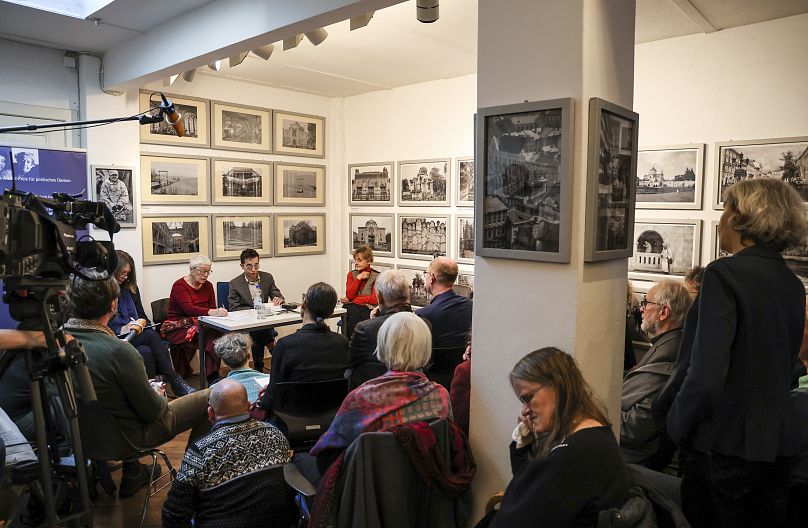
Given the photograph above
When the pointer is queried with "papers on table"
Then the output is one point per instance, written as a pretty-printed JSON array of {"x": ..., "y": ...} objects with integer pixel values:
[
  {"x": 241, "y": 315},
  {"x": 262, "y": 382}
]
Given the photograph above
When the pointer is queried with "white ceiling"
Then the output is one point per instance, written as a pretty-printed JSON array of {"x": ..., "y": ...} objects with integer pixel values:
[{"x": 394, "y": 49}]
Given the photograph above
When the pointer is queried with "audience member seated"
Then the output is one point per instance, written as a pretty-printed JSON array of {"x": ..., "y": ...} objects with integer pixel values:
[
  {"x": 393, "y": 293},
  {"x": 147, "y": 342},
  {"x": 693, "y": 280},
  {"x": 242, "y": 296},
  {"x": 15, "y": 382},
  {"x": 220, "y": 481},
  {"x": 120, "y": 381},
  {"x": 192, "y": 296},
  {"x": 460, "y": 390},
  {"x": 314, "y": 352},
  {"x": 233, "y": 349},
  {"x": 663, "y": 314},
  {"x": 402, "y": 395},
  {"x": 360, "y": 291},
  {"x": 448, "y": 312},
  {"x": 566, "y": 463}
]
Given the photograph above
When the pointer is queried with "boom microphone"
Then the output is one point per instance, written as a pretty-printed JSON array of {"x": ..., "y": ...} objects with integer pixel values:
[{"x": 173, "y": 117}]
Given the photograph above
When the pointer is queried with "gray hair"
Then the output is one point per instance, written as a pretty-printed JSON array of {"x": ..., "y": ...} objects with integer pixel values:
[
  {"x": 233, "y": 348},
  {"x": 393, "y": 287},
  {"x": 200, "y": 260},
  {"x": 404, "y": 342},
  {"x": 674, "y": 294}
]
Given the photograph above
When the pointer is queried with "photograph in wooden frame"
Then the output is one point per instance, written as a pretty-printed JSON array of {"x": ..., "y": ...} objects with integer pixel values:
[
  {"x": 232, "y": 234},
  {"x": 174, "y": 180},
  {"x": 241, "y": 182},
  {"x": 423, "y": 183},
  {"x": 371, "y": 183},
  {"x": 464, "y": 182},
  {"x": 465, "y": 279},
  {"x": 670, "y": 177},
  {"x": 242, "y": 128},
  {"x": 664, "y": 248},
  {"x": 464, "y": 241},
  {"x": 174, "y": 239},
  {"x": 611, "y": 176},
  {"x": 113, "y": 185},
  {"x": 193, "y": 115},
  {"x": 416, "y": 278},
  {"x": 715, "y": 243},
  {"x": 783, "y": 158},
  {"x": 299, "y": 234},
  {"x": 299, "y": 184},
  {"x": 298, "y": 134},
  {"x": 422, "y": 237},
  {"x": 525, "y": 156},
  {"x": 376, "y": 230}
]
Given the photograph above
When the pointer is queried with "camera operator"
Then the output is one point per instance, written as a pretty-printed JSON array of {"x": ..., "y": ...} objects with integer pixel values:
[
  {"x": 119, "y": 378},
  {"x": 21, "y": 339}
]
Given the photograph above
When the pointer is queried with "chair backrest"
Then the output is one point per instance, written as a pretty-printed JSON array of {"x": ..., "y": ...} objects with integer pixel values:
[
  {"x": 444, "y": 361},
  {"x": 159, "y": 309},
  {"x": 101, "y": 437},
  {"x": 307, "y": 408},
  {"x": 222, "y": 292}
]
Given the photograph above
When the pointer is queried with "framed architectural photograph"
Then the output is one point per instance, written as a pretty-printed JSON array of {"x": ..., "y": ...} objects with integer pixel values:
[
  {"x": 174, "y": 180},
  {"x": 422, "y": 237},
  {"x": 417, "y": 281},
  {"x": 193, "y": 115},
  {"x": 465, "y": 284},
  {"x": 664, "y": 248},
  {"x": 611, "y": 175},
  {"x": 302, "y": 234},
  {"x": 112, "y": 185},
  {"x": 299, "y": 184},
  {"x": 175, "y": 239},
  {"x": 241, "y": 182},
  {"x": 232, "y": 234},
  {"x": 371, "y": 183},
  {"x": 423, "y": 182},
  {"x": 298, "y": 134},
  {"x": 464, "y": 182},
  {"x": 375, "y": 230},
  {"x": 797, "y": 260},
  {"x": 782, "y": 158},
  {"x": 464, "y": 227},
  {"x": 523, "y": 207},
  {"x": 670, "y": 177},
  {"x": 717, "y": 252},
  {"x": 243, "y": 128}
]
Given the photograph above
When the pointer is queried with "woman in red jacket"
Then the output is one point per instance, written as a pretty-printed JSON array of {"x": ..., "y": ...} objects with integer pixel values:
[{"x": 360, "y": 289}]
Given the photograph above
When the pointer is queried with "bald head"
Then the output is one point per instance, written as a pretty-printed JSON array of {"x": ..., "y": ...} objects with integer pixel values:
[
  {"x": 445, "y": 271},
  {"x": 228, "y": 398}
]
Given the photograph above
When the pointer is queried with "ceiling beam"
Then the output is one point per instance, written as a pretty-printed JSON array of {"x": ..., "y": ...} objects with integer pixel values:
[
  {"x": 695, "y": 15},
  {"x": 218, "y": 30}
]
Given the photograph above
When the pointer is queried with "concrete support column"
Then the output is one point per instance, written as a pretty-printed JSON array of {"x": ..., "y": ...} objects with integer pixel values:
[{"x": 537, "y": 50}]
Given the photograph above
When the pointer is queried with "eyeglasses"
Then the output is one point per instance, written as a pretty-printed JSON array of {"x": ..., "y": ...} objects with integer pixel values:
[
  {"x": 645, "y": 302},
  {"x": 527, "y": 398},
  {"x": 203, "y": 272},
  {"x": 251, "y": 266}
]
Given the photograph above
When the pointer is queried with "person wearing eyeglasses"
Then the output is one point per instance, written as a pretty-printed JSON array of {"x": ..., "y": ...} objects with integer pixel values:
[
  {"x": 243, "y": 289},
  {"x": 449, "y": 314},
  {"x": 663, "y": 314}
]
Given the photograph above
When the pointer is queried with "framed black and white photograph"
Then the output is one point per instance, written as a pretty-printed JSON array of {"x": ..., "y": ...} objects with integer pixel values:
[
  {"x": 193, "y": 115},
  {"x": 523, "y": 207},
  {"x": 612, "y": 170},
  {"x": 241, "y": 182},
  {"x": 371, "y": 183},
  {"x": 422, "y": 237},
  {"x": 299, "y": 184},
  {"x": 175, "y": 239},
  {"x": 717, "y": 252},
  {"x": 464, "y": 182},
  {"x": 232, "y": 234},
  {"x": 112, "y": 185},
  {"x": 298, "y": 134},
  {"x": 416, "y": 278},
  {"x": 664, "y": 248},
  {"x": 464, "y": 225},
  {"x": 782, "y": 158},
  {"x": 464, "y": 285},
  {"x": 797, "y": 260},
  {"x": 375, "y": 230},
  {"x": 302, "y": 234},
  {"x": 423, "y": 182},
  {"x": 670, "y": 177},
  {"x": 174, "y": 180},
  {"x": 243, "y": 128}
]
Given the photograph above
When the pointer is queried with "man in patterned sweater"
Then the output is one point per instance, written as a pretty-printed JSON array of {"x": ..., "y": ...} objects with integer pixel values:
[{"x": 224, "y": 479}]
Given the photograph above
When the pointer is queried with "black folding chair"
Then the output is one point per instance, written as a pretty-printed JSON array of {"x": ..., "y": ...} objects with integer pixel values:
[{"x": 304, "y": 410}]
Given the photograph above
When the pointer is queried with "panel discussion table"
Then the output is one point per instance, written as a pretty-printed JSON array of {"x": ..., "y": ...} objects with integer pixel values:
[{"x": 246, "y": 321}]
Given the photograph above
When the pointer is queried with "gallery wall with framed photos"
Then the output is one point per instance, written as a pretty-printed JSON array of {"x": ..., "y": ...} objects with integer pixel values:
[
  {"x": 242, "y": 128},
  {"x": 174, "y": 180}
]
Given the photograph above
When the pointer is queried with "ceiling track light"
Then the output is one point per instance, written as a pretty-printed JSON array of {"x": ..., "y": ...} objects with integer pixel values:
[
  {"x": 316, "y": 36},
  {"x": 188, "y": 76},
  {"x": 426, "y": 11},
  {"x": 292, "y": 42},
  {"x": 237, "y": 59},
  {"x": 265, "y": 52},
  {"x": 215, "y": 65},
  {"x": 361, "y": 20}
]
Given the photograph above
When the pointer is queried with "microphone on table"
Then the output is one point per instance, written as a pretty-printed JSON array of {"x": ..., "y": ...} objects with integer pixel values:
[
  {"x": 136, "y": 328},
  {"x": 173, "y": 117}
]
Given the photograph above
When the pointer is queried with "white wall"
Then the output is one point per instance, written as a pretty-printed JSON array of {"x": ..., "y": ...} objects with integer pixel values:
[{"x": 36, "y": 76}]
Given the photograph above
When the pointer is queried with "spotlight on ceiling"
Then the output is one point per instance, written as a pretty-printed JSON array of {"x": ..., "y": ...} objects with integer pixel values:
[
  {"x": 170, "y": 80},
  {"x": 215, "y": 65},
  {"x": 361, "y": 20},
  {"x": 316, "y": 36},
  {"x": 189, "y": 75},
  {"x": 426, "y": 11},
  {"x": 265, "y": 52},
  {"x": 237, "y": 59},
  {"x": 292, "y": 42}
]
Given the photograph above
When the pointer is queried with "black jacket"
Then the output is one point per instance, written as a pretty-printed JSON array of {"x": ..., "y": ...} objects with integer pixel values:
[{"x": 239, "y": 297}]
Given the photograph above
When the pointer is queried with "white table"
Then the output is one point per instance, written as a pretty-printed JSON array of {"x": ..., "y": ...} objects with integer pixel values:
[{"x": 245, "y": 321}]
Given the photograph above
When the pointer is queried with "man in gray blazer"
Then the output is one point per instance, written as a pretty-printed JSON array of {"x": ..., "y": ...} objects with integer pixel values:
[{"x": 242, "y": 293}]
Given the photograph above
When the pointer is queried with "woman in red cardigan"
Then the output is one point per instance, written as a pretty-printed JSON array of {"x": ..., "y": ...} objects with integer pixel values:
[
  {"x": 360, "y": 289},
  {"x": 192, "y": 296}
]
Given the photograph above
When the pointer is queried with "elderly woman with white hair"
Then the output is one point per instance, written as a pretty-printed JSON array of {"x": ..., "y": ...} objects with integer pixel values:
[
  {"x": 234, "y": 349},
  {"x": 191, "y": 296}
]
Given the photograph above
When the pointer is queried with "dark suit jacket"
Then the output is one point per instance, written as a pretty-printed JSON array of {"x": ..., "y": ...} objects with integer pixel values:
[
  {"x": 239, "y": 297},
  {"x": 749, "y": 319},
  {"x": 450, "y": 315},
  {"x": 362, "y": 348}
]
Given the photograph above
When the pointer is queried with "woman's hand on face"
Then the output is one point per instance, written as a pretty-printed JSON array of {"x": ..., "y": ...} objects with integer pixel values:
[
  {"x": 218, "y": 312},
  {"x": 364, "y": 275}
]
